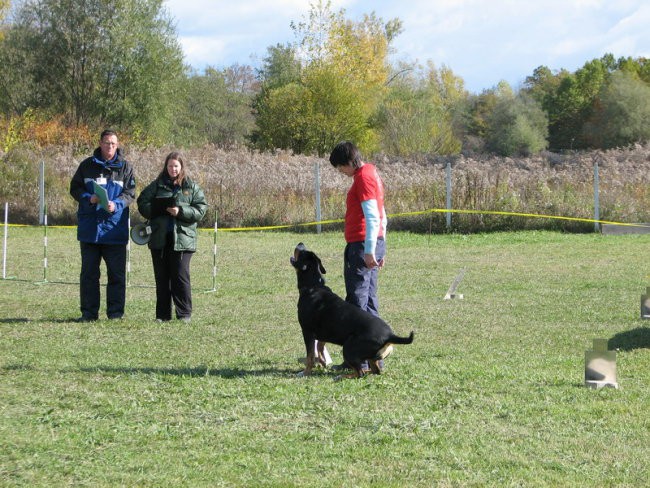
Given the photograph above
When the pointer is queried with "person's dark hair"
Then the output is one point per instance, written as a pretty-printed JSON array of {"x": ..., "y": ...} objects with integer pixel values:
[
  {"x": 345, "y": 152},
  {"x": 178, "y": 157},
  {"x": 107, "y": 132}
]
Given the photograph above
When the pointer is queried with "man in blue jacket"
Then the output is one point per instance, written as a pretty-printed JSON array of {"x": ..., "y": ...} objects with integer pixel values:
[{"x": 103, "y": 233}]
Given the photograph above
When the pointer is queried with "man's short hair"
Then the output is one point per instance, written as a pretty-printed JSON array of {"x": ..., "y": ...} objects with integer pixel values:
[
  {"x": 345, "y": 152},
  {"x": 107, "y": 132}
]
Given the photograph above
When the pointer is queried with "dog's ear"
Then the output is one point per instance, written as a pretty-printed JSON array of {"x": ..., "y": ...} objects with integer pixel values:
[{"x": 320, "y": 266}]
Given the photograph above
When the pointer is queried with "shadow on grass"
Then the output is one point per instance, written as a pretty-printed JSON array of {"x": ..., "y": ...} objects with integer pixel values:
[
  {"x": 629, "y": 340},
  {"x": 191, "y": 372},
  {"x": 17, "y": 367},
  {"x": 15, "y": 320}
]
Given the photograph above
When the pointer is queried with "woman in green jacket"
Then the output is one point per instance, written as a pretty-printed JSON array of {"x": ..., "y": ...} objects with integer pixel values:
[{"x": 174, "y": 205}]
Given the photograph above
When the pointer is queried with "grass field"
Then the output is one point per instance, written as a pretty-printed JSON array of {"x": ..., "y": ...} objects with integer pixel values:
[{"x": 490, "y": 393}]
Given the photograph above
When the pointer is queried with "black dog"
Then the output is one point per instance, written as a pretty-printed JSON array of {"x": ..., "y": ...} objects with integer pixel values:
[{"x": 326, "y": 317}]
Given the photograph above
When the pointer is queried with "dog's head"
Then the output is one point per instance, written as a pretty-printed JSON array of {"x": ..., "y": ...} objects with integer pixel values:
[{"x": 308, "y": 267}]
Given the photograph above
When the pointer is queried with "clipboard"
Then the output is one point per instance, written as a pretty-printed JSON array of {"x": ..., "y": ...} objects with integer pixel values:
[
  {"x": 159, "y": 206},
  {"x": 102, "y": 194}
]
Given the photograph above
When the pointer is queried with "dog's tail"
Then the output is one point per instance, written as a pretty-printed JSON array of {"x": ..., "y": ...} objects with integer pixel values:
[{"x": 401, "y": 340}]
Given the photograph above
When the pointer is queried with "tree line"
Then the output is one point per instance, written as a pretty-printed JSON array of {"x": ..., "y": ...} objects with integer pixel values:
[{"x": 71, "y": 67}]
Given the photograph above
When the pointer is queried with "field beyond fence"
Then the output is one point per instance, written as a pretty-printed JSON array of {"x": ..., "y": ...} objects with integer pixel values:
[
  {"x": 250, "y": 189},
  {"x": 490, "y": 393}
]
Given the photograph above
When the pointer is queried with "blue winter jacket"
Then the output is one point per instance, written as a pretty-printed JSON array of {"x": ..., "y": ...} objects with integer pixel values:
[{"x": 95, "y": 224}]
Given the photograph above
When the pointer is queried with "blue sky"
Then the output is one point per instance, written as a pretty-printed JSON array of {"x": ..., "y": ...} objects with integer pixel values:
[{"x": 482, "y": 41}]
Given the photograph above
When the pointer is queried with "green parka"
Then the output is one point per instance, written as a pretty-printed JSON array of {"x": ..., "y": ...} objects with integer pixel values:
[{"x": 191, "y": 209}]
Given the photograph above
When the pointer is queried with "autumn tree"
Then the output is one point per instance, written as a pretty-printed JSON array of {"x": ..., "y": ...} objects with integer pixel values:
[
  {"x": 120, "y": 69},
  {"x": 342, "y": 77},
  {"x": 422, "y": 113}
]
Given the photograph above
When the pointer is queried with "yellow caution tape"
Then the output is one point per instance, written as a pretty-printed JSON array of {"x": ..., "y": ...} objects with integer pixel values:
[{"x": 404, "y": 214}]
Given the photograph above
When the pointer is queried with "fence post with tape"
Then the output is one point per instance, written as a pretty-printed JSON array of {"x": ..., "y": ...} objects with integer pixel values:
[
  {"x": 4, "y": 245},
  {"x": 128, "y": 253},
  {"x": 448, "y": 185},
  {"x": 214, "y": 257},
  {"x": 596, "y": 198},
  {"x": 44, "y": 246}
]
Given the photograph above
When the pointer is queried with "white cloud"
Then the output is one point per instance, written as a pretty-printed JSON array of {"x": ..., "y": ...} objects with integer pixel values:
[{"x": 481, "y": 41}]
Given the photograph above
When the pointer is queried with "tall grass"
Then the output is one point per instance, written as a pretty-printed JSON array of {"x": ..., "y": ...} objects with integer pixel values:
[
  {"x": 490, "y": 393},
  {"x": 248, "y": 188}
]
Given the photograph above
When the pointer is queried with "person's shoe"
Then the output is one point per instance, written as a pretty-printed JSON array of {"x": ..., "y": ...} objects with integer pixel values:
[
  {"x": 115, "y": 317},
  {"x": 187, "y": 320},
  {"x": 84, "y": 319},
  {"x": 340, "y": 367}
]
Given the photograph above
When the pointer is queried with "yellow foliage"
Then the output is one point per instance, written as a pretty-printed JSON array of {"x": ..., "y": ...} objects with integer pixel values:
[{"x": 40, "y": 130}]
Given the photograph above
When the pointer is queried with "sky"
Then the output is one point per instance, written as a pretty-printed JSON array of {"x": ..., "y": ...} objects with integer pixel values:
[{"x": 482, "y": 41}]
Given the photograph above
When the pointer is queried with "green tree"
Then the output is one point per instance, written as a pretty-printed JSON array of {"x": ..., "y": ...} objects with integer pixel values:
[
  {"x": 120, "y": 69},
  {"x": 215, "y": 107},
  {"x": 568, "y": 99},
  {"x": 622, "y": 114},
  {"x": 280, "y": 67},
  {"x": 517, "y": 125}
]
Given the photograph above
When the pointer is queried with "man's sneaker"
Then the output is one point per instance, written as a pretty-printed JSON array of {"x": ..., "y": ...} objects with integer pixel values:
[
  {"x": 344, "y": 366},
  {"x": 340, "y": 367}
]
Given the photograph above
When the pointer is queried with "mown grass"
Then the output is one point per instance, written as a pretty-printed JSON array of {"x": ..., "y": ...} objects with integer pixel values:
[{"x": 490, "y": 393}]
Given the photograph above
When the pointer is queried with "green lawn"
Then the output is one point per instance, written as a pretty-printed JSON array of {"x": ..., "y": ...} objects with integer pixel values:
[{"x": 490, "y": 393}]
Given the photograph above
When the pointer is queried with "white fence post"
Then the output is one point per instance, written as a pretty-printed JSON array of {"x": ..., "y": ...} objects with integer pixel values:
[
  {"x": 128, "y": 253},
  {"x": 4, "y": 243},
  {"x": 214, "y": 256}
]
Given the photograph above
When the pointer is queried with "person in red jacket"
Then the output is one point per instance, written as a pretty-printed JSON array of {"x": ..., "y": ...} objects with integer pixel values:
[{"x": 365, "y": 227}]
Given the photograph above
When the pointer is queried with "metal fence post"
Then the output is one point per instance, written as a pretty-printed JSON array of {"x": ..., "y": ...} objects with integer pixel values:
[
  {"x": 317, "y": 191},
  {"x": 596, "y": 198},
  {"x": 41, "y": 194},
  {"x": 448, "y": 179}
]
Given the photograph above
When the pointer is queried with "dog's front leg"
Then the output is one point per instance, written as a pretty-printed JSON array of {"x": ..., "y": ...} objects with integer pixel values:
[{"x": 310, "y": 345}]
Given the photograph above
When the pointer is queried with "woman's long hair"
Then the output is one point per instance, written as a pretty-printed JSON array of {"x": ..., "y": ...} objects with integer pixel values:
[{"x": 181, "y": 175}]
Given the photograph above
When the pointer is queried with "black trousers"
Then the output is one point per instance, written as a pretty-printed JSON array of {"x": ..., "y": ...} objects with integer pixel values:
[
  {"x": 114, "y": 255},
  {"x": 172, "y": 273}
]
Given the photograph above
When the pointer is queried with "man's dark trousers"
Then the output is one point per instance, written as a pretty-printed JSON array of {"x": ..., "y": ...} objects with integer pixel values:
[{"x": 114, "y": 255}]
